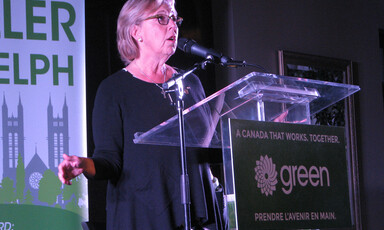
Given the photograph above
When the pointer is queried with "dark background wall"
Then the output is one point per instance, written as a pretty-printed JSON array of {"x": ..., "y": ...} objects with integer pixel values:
[
  {"x": 339, "y": 29},
  {"x": 254, "y": 31}
]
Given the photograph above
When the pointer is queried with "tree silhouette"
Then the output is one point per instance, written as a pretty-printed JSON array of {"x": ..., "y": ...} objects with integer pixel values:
[
  {"x": 28, "y": 198},
  {"x": 73, "y": 191},
  {"x": 49, "y": 187},
  {"x": 20, "y": 179},
  {"x": 72, "y": 206},
  {"x": 7, "y": 191}
]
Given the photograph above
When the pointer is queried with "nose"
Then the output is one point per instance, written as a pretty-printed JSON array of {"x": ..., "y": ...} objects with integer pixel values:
[
  {"x": 172, "y": 21},
  {"x": 173, "y": 26}
]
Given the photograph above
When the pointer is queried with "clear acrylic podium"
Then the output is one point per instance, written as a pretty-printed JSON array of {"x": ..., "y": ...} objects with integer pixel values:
[{"x": 256, "y": 96}]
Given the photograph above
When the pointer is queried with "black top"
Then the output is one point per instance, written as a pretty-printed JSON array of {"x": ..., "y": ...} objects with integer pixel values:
[{"x": 144, "y": 180}]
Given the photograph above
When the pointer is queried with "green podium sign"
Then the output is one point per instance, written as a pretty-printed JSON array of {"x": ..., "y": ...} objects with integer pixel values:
[{"x": 289, "y": 176}]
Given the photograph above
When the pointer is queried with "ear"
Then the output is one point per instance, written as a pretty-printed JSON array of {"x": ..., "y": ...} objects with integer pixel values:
[{"x": 136, "y": 32}]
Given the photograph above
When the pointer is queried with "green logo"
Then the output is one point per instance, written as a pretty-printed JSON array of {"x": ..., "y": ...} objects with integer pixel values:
[
  {"x": 290, "y": 176},
  {"x": 266, "y": 175}
]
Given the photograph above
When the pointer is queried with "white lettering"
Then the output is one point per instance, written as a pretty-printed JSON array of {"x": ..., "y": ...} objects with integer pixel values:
[
  {"x": 323, "y": 138},
  {"x": 269, "y": 216},
  {"x": 6, "y": 226},
  {"x": 302, "y": 176},
  {"x": 313, "y": 176},
  {"x": 325, "y": 170},
  {"x": 287, "y": 183},
  {"x": 297, "y": 216},
  {"x": 255, "y": 134},
  {"x": 296, "y": 136},
  {"x": 289, "y": 174},
  {"x": 327, "y": 216}
]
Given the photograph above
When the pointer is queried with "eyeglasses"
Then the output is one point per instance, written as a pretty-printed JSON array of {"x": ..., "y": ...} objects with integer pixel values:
[{"x": 164, "y": 19}]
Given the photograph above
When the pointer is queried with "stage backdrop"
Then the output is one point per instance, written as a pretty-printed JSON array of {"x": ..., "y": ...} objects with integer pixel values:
[{"x": 42, "y": 85}]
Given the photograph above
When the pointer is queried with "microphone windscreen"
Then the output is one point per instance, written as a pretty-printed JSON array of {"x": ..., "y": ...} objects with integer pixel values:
[{"x": 185, "y": 44}]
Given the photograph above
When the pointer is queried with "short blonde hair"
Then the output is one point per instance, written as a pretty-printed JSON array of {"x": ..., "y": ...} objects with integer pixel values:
[{"x": 133, "y": 13}]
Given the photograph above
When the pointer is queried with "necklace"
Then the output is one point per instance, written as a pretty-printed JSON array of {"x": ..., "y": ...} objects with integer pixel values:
[{"x": 149, "y": 79}]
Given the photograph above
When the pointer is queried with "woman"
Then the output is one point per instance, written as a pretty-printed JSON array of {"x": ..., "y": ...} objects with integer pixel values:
[{"x": 143, "y": 188}]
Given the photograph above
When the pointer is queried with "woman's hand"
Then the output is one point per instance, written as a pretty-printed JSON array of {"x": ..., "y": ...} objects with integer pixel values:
[{"x": 72, "y": 166}]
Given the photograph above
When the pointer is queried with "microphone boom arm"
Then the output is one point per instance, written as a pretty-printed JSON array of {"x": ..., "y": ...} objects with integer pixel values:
[{"x": 177, "y": 77}]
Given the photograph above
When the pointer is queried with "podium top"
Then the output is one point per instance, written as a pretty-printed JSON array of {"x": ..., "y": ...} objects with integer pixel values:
[{"x": 243, "y": 99}]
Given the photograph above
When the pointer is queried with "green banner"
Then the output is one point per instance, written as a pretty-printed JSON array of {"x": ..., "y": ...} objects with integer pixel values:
[
  {"x": 43, "y": 112},
  {"x": 34, "y": 217},
  {"x": 289, "y": 176}
]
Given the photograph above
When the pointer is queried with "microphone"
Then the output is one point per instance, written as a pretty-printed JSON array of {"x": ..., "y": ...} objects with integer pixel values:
[{"x": 190, "y": 46}]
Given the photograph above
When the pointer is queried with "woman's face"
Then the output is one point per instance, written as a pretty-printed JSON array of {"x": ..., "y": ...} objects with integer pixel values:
[{"x": 159, "y": 39}]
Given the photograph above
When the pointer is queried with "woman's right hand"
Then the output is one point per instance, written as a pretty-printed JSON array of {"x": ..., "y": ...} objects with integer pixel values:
[{"x": 72, "y": 166}]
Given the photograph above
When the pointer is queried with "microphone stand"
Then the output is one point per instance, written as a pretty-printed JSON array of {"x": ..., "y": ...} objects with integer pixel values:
[
  {"x": 176, "y": 80},
  {"x": 175, "y": 84}
]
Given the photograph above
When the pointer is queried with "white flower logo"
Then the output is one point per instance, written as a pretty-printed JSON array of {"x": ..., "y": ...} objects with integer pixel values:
[{"x": 266, "y": 175}]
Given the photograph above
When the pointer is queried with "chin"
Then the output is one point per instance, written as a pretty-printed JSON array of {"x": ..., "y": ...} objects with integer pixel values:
[{"x": 171, "y": 52}]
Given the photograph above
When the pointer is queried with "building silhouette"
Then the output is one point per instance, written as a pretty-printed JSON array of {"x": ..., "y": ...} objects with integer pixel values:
[
  {"x": 13, "y": 146},
  {"x": 34, "y": 171},
  {"x": 13, "y": 139},
  {"x": 58, "y": 137}
]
